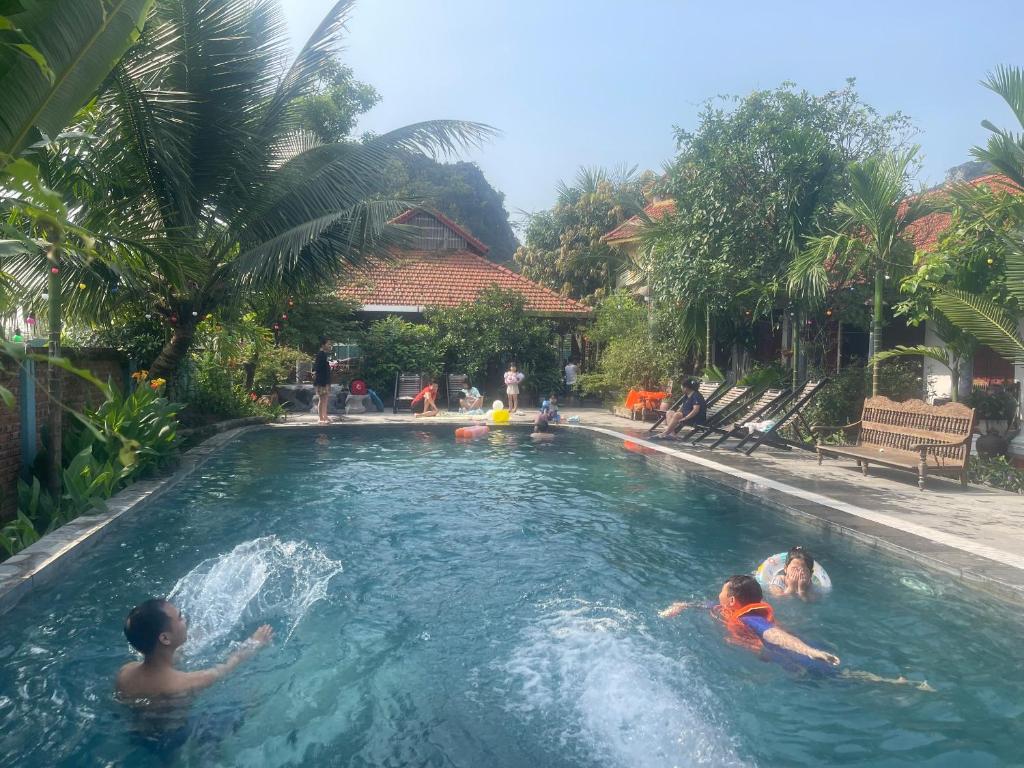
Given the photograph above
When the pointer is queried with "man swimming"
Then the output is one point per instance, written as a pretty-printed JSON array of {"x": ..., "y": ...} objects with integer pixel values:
[{"x": 157, "y": 629}]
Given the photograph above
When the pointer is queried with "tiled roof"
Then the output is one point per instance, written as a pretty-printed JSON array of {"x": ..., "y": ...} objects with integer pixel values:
[
  {"x": 415, "y": 280},
  {"x": 630, "y": 228},
  {"x": 924, "y": 233}
]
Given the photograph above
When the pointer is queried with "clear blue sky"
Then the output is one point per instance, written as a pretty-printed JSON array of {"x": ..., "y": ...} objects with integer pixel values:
[{"x": 574, "y": 83}]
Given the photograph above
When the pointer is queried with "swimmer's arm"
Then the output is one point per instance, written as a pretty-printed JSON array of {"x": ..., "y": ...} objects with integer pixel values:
[
  {"x": 207, "y": 677},
  {"x": 782, "y": 639},
  {"x": 676, "y": 608}
]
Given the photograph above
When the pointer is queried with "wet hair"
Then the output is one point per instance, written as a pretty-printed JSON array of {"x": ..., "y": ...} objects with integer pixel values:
[
  {"x": 799, "y": 553},
  {"x": 324, "y": 340},
  {"x": 745, "y": 589},
  {"x": 145, "y": 623},
  {"x": 541, "y": 425},
  {"x": 691, "y": 384}
]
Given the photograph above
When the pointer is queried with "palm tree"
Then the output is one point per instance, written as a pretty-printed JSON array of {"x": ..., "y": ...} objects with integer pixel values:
[
  {"x": 992, "y": 323},
  {"x": 869, "y": 239},
  {"x": 203, "y": 182}
]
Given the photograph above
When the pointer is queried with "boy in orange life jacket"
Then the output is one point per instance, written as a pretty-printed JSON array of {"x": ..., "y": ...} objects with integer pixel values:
[{"x": 751, "y": 621}]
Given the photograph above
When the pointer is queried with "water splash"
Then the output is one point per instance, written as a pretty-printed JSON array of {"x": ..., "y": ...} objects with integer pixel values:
[
  {"x": 264, "y": 580},
  {"x": 627, "y": 703}
]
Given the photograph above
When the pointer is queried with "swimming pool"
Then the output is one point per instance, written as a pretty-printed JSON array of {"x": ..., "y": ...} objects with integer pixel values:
[{"x": 494, "y": 604}]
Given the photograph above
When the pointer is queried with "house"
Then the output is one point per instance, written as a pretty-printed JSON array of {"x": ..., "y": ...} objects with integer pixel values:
[
  {"x": 626, "y": 238},
  {"x": 986, "y": 368},
  {"x": 445, "y": 266}
]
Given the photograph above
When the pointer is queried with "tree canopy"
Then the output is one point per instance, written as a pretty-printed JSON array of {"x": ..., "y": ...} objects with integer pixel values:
[{"x": 563, "y": 248}]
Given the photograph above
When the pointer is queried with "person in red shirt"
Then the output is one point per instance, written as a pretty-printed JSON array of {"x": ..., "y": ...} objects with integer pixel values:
[{"x": 425, "y": 402}]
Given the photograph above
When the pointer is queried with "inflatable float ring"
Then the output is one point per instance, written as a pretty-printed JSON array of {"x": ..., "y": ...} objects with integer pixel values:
[{"x": 770, "y": 572}]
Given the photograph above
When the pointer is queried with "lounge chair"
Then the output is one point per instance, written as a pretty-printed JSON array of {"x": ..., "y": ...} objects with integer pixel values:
[
  {"x": 407, "y": 386},
  {"x": 455, "y": 382},
  {"x": 711, "y": 390},
  {"x": 791, "y": 415},
  {"x": 762, "y": 408},
  {"x": 721, "y": 411}
]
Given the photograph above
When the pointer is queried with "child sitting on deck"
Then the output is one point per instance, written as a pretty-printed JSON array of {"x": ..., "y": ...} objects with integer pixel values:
[
  {"x": 751, "y": 623},
  {"x": 549, "y": 409}
]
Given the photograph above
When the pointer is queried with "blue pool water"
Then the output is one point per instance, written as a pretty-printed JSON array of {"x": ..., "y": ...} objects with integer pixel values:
[{"x": 494, "y": 604}]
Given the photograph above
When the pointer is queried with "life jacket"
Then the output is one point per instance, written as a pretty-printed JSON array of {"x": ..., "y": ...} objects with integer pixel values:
[{"x": 740, "y": 633}]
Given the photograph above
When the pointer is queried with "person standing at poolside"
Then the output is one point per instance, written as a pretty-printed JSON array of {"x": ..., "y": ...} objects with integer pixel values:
[
  {"x": 157, "y": 629},
  {"x": 513, "y": 378},
  {"x": 322, "y": 378},
  {"x": 571, "y": 372}
]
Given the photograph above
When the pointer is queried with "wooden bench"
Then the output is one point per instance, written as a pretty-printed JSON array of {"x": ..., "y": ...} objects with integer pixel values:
[{"x": 910, "y": 435}]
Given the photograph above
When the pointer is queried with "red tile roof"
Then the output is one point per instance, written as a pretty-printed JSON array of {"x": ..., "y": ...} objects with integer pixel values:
[
  {"x": 415, "y": 280},
  {"x": 630, "y": 228},
  {"x": 925, "y": 232}
]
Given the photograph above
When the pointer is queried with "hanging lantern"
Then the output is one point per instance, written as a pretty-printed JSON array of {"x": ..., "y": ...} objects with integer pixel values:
[
  {"x": 828, "y": 313},
  {"x": 277, "y": 326},
  {"x": 82, "y": 286},
  {"x": 194, "y": 313},
  {"x": 149, "y": 316},
  {"x": 284, "y": 317},
  {"x": 54, "y": 271}
]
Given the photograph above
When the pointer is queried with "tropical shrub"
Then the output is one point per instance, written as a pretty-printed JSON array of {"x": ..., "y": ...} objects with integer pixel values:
[
  {"x": 275, "y": 366},
  {"x": 764, "y": 376},
  {"x": 630, "y": 357},
  {"x": 997, "y": 472},
  {"x": 392, "y": 345},
  {"x": 483, "y": 338},
  {"x": 842, "y": 399}
]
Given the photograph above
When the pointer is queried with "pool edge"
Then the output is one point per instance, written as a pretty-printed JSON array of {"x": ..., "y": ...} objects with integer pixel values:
[
  {"x": 51, "y": 556},
  {"x": 977, "y": 565}
]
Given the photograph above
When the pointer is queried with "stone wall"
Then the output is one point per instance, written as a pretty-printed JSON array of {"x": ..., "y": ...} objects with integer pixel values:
[{"x": 106, "y": 365}]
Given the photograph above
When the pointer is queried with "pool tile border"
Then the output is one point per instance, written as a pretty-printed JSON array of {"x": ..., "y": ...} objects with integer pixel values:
[
  {"x": 980, "y": 566},
  {"x": 56, "y": 552}
]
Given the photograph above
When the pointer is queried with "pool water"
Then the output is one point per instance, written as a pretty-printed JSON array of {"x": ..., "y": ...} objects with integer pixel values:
[{"x": 494, "y": 604}]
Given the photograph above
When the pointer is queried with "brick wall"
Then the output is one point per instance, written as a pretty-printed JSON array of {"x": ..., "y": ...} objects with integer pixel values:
[{"x": 104, "y": 364}]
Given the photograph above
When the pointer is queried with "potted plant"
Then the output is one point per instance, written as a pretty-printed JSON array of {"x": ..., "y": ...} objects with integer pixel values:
[{"x": 995, "y": 411}]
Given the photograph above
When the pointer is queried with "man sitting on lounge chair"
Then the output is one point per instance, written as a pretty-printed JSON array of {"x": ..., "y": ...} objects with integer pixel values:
[{"x": 691, "y": 412}]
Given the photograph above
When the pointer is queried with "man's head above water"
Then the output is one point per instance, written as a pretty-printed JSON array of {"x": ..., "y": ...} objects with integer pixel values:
[{"x": 155, "y": 625}]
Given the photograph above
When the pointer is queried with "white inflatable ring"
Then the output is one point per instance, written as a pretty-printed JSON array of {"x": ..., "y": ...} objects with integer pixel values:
[{"x": 769, "y": 573}]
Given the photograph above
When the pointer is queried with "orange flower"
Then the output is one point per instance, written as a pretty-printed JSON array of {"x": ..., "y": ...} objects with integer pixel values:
[
  {"x": 140, "y": 375},
  {"x": 157, "y": 383}
]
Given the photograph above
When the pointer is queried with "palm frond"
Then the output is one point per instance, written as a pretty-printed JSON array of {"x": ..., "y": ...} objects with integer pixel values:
[
  {"x": 81, "y": 43},
  {"x": 982, "y": 318},
  {"x": 939, "y": 354}
]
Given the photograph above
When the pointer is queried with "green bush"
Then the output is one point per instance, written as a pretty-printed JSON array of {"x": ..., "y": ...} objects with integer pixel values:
[
  {"x": 481, "y": 339},
  {"x": 842, "y": 399},
  {"x": 275, "y": 366},
  {"x": 630, "y": 358},
  {"x": 992, "y": 406},
  {"x": 765, "y": 376},
  {"x": 127, "y": 436},
  {"x": 996, "y": 472},
  {"x": 391, "y": 346}
]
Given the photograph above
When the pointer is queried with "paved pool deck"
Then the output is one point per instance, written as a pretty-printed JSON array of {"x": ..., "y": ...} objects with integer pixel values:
[{"x": 974, "y": 533}]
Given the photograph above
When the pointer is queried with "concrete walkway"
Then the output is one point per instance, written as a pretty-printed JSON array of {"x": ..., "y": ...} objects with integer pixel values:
[{"x": 975, "y": 533}]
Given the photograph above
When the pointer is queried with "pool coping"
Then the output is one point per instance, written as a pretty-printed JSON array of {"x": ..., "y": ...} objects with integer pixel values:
[
  {"x": 39, "y": 564},
  {"x": 975, "y": 564}
]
